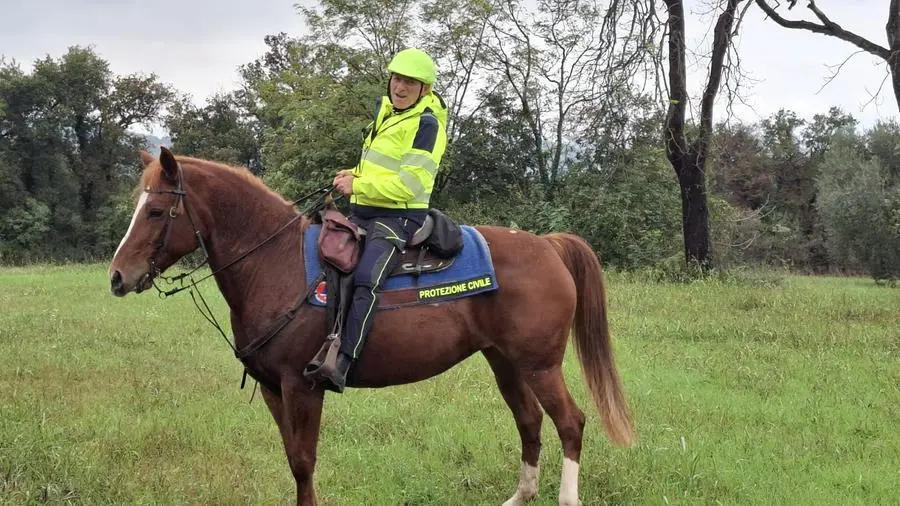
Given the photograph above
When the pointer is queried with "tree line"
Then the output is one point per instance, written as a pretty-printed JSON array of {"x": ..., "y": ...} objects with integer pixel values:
[{"x": 554, "y": 127}]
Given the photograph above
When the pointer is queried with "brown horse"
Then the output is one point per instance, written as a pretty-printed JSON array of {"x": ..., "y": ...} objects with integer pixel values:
[{"x": 548, "y": 286}]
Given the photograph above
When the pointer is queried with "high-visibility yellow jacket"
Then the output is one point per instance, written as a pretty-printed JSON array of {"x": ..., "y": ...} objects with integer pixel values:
[{"x": 401, "y": 155}]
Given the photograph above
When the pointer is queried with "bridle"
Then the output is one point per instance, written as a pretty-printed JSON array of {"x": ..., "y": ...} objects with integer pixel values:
[{"x": 155, "y": 272}]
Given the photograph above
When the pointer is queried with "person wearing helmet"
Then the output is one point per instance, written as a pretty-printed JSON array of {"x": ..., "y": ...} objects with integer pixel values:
[{"x": 390, "y": 190}]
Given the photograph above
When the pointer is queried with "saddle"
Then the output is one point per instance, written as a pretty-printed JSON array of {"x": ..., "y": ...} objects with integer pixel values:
[
  {"x": 432, "y": 247},
  {"x": 419, "y": 257}
]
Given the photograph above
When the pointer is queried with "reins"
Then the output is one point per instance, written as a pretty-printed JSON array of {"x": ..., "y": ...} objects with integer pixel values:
[
  {"x": 322, "y": 192},
  {"x": 191, "y": 284}
]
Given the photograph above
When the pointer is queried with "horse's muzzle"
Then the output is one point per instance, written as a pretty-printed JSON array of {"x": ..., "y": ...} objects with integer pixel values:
[{"x": 118, "y": 287}]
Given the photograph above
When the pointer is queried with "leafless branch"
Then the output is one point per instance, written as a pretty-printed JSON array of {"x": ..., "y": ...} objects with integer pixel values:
[
  {"x": 873, "y": 96},
  {"x": 740, "y": 19},
  {"x": 747, "y": 243},
  {"x": 827, "y": 27},
  {"x": 836, "y": 69}
]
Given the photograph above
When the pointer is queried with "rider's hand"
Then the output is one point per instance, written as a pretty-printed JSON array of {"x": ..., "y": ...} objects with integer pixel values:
[{"x": 343, "y": 183}]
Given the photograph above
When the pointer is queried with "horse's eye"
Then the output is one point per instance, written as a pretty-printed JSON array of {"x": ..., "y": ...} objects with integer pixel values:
[{"x": 155, "y": 213}]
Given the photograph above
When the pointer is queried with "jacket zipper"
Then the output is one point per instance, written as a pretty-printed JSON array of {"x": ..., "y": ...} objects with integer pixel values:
[{"x": 375, "y": 133}]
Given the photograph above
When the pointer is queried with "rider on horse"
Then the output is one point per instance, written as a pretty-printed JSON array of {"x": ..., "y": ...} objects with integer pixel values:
[{"x": 390, "y": 190}]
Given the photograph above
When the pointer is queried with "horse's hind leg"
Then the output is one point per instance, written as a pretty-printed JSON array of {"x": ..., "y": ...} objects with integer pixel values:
[
  {"x": 528, "y": 417},
  {"x": 550, "y": 388}
]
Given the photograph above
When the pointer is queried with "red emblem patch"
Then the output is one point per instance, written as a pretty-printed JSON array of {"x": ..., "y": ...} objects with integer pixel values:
[{"x": 321, "y": 292}]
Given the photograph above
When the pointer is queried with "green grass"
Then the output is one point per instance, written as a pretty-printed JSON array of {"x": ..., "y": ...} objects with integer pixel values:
[{"x": 778, "y": 392}]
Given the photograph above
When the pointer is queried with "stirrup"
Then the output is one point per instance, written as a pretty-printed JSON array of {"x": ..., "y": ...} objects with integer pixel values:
[{"x": 325, "y": 358}]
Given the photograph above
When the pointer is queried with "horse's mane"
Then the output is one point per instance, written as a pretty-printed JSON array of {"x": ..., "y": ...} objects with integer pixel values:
[{"x": 153, "y": 174}]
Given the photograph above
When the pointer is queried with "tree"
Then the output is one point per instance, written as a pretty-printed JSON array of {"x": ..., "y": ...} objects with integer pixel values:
[
  {"x": 559, "y": 60},
  {"x": 860, "y": 201},
  {"x": 688, "y": 156},
  {"x": 451, "y": 31},
  {"x": 565, "y": 63},
  {"x": 487, "y": 161},
  {"x": 794, "y": 216},
  {"x": 311, "y": 108},
  {"x": 818, "y": 134},
  {"x": 741, "y": 172},
  {"x": 830, "y": 28},
  {"x": 66, "y": 143},
  {"x": 628, "y": 212},
  {"x": 457, "y": 37},
  {"x": 382, "y": 26},
  {"x": 24, "y": 229},
  {"x": 817, "y": 139},
  {"x": 220, "y": 131},
  {"x": 795, "y": 149}
]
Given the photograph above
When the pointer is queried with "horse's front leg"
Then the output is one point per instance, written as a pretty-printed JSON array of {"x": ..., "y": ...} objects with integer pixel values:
[{"x": 298, "y": 412}]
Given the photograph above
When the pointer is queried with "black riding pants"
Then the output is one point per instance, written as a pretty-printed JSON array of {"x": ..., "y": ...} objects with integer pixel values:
[{"x": 385, "y": 239}]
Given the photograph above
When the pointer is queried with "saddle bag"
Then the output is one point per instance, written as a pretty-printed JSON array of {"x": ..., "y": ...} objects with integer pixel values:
[
  {"x": 339, "y": 241},
  {"x": 446, "y": 239}
]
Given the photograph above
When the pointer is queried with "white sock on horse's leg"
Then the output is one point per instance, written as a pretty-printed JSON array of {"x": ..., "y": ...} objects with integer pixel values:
[
  {"x": 528, "y": 485},
  {"x": 568, "y": 485}
]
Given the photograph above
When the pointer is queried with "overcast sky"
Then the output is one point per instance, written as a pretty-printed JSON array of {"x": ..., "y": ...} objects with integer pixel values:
[{"x": 197, "y": 45}]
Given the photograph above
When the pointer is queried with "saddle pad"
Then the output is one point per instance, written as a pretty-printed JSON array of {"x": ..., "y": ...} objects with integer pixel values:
[{"x": 471, "y": 272}]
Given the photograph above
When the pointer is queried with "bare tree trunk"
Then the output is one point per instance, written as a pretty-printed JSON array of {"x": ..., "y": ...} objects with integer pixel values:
[
  {"x": 694, "y": 210},
  {"x": 893, "y": 36},
  {"x": 688, "y": 157}
]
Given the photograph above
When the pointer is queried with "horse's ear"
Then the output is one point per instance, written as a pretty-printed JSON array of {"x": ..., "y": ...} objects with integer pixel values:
[
  {"x": 169, "y": 164},
  {"x": 146, "y": 157}
]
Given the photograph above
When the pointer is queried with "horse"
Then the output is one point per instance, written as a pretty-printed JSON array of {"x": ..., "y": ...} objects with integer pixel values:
[{"x": 549, "y": 286}]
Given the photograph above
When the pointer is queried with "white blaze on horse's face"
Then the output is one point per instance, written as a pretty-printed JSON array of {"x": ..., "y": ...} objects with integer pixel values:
[
  {"x": 137, "y": 211},
  {"x": 128, "y": 270}
]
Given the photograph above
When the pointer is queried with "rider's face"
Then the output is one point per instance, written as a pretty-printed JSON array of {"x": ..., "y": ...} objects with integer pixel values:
[{"x": 405, "y": 91}]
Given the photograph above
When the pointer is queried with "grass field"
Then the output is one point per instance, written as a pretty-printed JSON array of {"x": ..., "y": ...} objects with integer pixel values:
[{"x": 779, "y": 391}]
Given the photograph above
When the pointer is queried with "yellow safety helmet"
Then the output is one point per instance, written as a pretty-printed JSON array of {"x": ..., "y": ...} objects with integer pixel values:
[{"x": 414, "y": 63}]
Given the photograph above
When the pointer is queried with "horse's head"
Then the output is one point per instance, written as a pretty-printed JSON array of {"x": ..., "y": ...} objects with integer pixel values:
[{"x": 162, "y": 229}]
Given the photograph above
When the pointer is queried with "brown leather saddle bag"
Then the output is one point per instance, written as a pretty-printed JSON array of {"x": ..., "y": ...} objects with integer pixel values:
[{"x": 339, "y": 241}]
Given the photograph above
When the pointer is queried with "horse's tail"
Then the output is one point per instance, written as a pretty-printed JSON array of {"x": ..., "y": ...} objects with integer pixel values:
[{"x": 592, "y": 337}]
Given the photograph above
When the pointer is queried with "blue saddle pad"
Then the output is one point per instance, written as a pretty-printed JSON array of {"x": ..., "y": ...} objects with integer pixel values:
[{"x": 471, "y": 272}]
